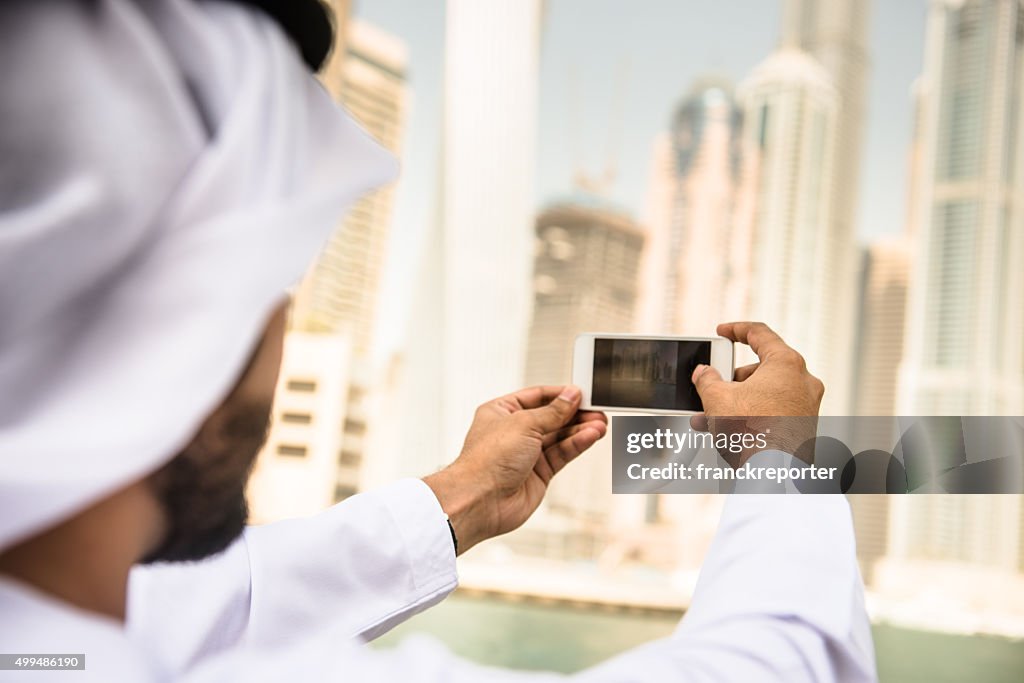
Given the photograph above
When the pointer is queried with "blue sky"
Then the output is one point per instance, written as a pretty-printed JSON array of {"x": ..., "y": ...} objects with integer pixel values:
[{"x": 660, "y": 47}]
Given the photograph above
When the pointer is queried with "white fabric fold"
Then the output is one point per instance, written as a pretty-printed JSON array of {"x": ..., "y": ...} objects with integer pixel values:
[
  {"x": 168, "y": 168},
  {"x": 365, "y": 565}
]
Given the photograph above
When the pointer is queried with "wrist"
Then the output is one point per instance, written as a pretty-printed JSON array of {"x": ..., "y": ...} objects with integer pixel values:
[
  {"x": 790, "y": 434},
  {"x": 464, "y": 499}
]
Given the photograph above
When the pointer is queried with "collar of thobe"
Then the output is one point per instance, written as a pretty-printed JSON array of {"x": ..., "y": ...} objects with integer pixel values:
[{"x": 167, "y": 170}]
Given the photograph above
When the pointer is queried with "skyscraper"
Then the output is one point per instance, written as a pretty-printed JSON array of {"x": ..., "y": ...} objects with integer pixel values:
[
  {"x": 297, "y": 473},
  {"x": 964, "y": 346},
  {"x": 965, "y": 548},
  {"x": 835, "y": 34},
  {"x": 959, "y": 528},
  {"x": 318, "y": 433},
  {"x": 965, "y": 336},
  {"x": 694, "y": 211},
  {"x": 883, "y": 301},
  {"x": 467, "y": 337},
  {"x": 789, "y": 110},
  {"x": 879, "y": 348},
  {"x": 340, "y": 293},
  {"x": 586, "y": 273},
  {"x": 870, "y": 513}
]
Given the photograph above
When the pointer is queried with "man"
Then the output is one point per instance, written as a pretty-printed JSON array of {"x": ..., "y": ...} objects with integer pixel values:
[{"x": 169, "y": 168}]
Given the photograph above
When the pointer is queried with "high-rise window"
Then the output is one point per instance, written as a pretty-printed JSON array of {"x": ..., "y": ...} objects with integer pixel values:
[
  {"x": 302, "y": 385},
  {"x": 951, "y": 259},
  {"x": 762, "y": 127},
  {"x": 291, "y": 450}
]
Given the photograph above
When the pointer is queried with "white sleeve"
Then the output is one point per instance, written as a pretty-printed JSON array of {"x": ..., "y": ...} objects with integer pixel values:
[
  {"x": 361, "y": 567},
  {"x": 779, "y": 600}
]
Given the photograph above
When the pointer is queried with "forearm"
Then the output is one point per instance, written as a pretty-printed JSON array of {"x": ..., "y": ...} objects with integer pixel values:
[
  {"x": 788, "y": 563},
  {"x": 371, "y": 561},
  {"x": 779, "y": 599},
  {"x": 778, "y": 602},
  {"x": 364, "y": 565}
]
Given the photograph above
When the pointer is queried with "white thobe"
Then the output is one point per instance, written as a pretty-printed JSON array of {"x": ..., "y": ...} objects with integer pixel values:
[{"x": 779, "y": 599}]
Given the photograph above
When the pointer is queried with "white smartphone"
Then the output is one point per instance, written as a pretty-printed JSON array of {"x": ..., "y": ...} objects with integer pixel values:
[{"x": 643, "y": 373}]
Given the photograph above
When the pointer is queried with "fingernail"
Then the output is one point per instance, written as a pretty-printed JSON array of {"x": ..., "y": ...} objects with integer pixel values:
[
  {"x": 700, "y": 368},
  {"x": 570, "y": 393}
]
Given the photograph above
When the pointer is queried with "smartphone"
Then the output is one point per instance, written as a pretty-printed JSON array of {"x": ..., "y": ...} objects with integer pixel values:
[{"x": 647, "y": 374}]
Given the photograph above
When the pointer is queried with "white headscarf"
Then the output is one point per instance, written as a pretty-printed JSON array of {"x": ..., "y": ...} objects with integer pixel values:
[{"x": 167, "y": 169}]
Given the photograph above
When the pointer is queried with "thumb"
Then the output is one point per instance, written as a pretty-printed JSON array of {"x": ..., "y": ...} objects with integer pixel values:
[
  {"x": 708, "y": 381},
  {"x": 556, "y": 414}
]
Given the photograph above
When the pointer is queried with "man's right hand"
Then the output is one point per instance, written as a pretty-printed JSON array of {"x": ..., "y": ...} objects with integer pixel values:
[
  {"x": 515, "y": 445},
  {"x": 779, "y": 385}
]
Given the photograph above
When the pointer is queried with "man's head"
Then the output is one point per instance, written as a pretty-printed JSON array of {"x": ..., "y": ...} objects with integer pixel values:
[
  {"x": 135, "y": 279},
  {"x": 202, "y": 490}
]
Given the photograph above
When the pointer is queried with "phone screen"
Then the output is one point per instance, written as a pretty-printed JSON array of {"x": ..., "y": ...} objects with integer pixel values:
[{"x": 648, "y": 373}]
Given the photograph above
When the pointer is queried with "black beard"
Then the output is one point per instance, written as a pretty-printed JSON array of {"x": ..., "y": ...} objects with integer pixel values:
[{"x": 202, "y": 490}]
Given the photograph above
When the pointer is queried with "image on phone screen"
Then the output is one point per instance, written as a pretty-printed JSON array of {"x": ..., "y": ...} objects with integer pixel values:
[{"x": 648, "y": 373}]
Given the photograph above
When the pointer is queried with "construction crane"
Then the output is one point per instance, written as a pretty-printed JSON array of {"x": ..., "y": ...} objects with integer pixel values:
[{"x": 599, "y": 184}]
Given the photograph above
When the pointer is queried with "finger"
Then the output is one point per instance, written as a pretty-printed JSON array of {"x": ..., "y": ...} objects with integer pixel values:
[
  {"x": 591, "y": 415},
  {"x": 745, "y": 372},
  {"x": 533, "y": 397},
  {"x": 567, "y": 450},
  {"x": 758, "y": 336},
  {"x": 551, "y": 438},
  {"x": 699, "y": 422},
  {"x": 586, "y": 415},
  {"x": 707, "y": 380},
  {"x": 557, "y": 413}
]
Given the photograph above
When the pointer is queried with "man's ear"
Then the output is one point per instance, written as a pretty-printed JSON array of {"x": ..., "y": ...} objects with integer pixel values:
[{"x": 258, "y": 380}]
